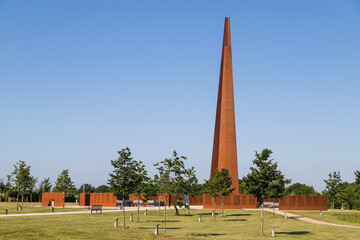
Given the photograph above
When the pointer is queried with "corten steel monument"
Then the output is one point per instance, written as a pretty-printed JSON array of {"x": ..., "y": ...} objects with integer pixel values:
[{"x": 224, "y": 149}]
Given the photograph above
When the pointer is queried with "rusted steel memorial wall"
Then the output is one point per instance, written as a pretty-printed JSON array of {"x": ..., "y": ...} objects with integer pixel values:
[
  {"x": 230, "y": 202},
  {"x": 303, "y": 203},
  {"x": 57, "y": 197}
]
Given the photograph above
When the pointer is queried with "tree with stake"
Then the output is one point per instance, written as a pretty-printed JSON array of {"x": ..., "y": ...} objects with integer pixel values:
[
  {"x": 170, "y": 178},
  {"x": 219, "y": 186},
  {"x": 191, "y": 186},
  {"x": 21, "y": 179},
  {"x": 333, "y": 188},
  {"x": 123, "y": 176},
  {"x": 263, "y": 179},
  {"x": 140, "y": 183}
]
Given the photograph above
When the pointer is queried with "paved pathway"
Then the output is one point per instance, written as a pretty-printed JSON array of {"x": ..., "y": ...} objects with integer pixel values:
[{"x": 306, "y": 219}]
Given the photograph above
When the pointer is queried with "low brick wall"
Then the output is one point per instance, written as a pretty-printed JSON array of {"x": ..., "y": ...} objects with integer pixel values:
[{"x": 58, "y": 198}]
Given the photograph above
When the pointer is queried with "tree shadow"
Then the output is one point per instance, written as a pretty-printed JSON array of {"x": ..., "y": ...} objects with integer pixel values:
[
  {"x": 205, "y": 234},
  {"x": 294, "y": 233},
  {"x": 238, "y": 215},
  {"x": 163, "y": 221},
  {"x": 160, "y": 228},
  {"x": 236, "y": 220}
]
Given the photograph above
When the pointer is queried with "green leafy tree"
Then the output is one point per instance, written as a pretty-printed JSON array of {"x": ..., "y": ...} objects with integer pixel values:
[
  {"x": 357, "y": 177},
  {"x": 191, "y": 186},
  {"x": 219, "y": 186},
  {"x": 333, "y": 188},
  {"x": 300, "y": 189},
  {"x": 140, "y": 183},
  {"x": 350, "y": 194},
  {"x": 31, "y": 186},
  {"x": 46, "y": 185},
  {"x": 22, "y": 180},
  {"x": 102, "y": 189},
  {"x": 170, "y": 178},
  {"x": 64, "y": 183},
  {"x": 123, "y": 177},
  {"x": 264, "y": 179}
]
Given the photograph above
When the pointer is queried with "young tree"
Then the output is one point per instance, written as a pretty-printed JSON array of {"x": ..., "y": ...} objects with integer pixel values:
[
  {"x": 191, "y": 186},
  {"x": 46, "y": 185},
  {"x": 31, "y": 186},
  {"x": 219, "y": 186},
  {"x": 140, "y": 183},
  {"x": 263, "y": 179},
  {"x": 333, "y": 187},
  {"x": 2, "y": 188},
  {"x": 21, "y": 179},
  {"x": 63, "y": 182},
  {"x": 123, "y": 176},
  {"x": 171, "y": 179}
]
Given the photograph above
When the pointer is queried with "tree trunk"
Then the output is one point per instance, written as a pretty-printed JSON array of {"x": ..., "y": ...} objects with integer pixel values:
[
  {"x": 333, "y": 206},
  {"x": 165, "y": 216},
  {"x": 222, "y": 206},
  {"x": 22, "y": 198},
  {"x": 31, "y": 197},
  {"x": 17, "y": 200},
  {"x": 214, "y": 208},
  {"x": 189, "y": 206},
  {"x": 138, "y": 209},
  {"x": 123, "y": 205},
  {"x": 262, "y": 219},
  {"x": 274, "y": 208},
  {"x": 159, "y": 205}
]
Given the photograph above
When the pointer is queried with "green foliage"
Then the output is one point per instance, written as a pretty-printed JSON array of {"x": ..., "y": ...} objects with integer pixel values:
[
  {"x": 46, "y": 185},
  {"x": 102, "y": 189},
  {"x": 88, "y": 188},
  {"x": 333, "y": 187},
  {"x": 64, "y": 183},
  {"x": 219, "y": 185},
  {"x": 122, "y": 179},
  {"x": 300, "y": 189},
  {"x": 22, "y": 179},
  {"x": 243, "y": 189},
  {"x": 350, "y": 195},
  {"x": 265, "y": 180},
  {"x": 174, "y": 178},
  {"x": 357, "y": 177},
  {"x": 140, "y": 180}
]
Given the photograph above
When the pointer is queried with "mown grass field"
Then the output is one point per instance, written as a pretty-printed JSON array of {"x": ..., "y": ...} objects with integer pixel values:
[
  {"x": 346, "y": 217},
  {"x": 11, "y": 206},
  {"x": 238, "y": 224}
]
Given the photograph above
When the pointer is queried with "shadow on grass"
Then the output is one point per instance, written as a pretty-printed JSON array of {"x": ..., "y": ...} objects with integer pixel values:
[
  {"x": 236, "y": 220},
  {"x": 205, "y": 234},
  {"x": 294, "y": 233},
  {"x": 238, "y": 215},
  {"x": 160, "y": 228},
  {"x": 163, "y": 221}
]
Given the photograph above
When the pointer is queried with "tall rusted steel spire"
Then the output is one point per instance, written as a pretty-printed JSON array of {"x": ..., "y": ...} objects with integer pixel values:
[{"x": 224, "y": 148}]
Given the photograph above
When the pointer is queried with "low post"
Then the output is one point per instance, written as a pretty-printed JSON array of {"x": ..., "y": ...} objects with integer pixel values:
[
  {"x": 131, "y": 217},
  {"x": 272, "y": 232},
  {"x": 200, "y": 218},
  {"x": 6, "y": 211},
  {"x": 320, "y": 212},
  {"x": 145, "y": 213},
  {"x": 116, "y": 223},
  {"x": 285, "y": 215},
  {"x": 20, "y": 208},
  {"x": 156, "y": 230}
]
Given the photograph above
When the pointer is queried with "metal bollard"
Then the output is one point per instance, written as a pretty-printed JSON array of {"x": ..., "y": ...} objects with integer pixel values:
[
  {"x": 272, "y": 232},
  {"x": 200, "y": 218},
  {"x": 131, "y": 217},
  {"x": 145, "y": 213}
]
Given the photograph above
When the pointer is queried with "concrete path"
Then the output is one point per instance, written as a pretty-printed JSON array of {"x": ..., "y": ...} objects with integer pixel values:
[
  {"x": 306, "y": 219},
  {"x": 82, "y": 212}
]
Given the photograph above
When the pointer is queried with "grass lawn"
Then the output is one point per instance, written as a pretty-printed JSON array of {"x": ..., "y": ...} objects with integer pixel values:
[
  {"x": 346, "y": 217},
  {"x": 11, "y": 206},
  {"x": 238, "y": 224}
]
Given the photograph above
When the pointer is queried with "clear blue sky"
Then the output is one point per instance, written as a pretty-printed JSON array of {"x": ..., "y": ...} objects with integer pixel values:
[{"x": 80, "y": 80}]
